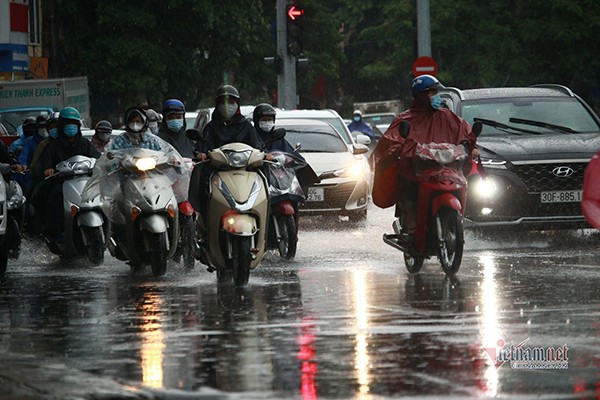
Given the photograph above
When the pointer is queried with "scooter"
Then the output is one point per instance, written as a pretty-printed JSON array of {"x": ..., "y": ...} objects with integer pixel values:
[
  {"x": 84, "y": 222},
  {"x": 186, "y": 246},
  {"x": 15, "y": 206},
  {"x": 442, "y": 191},
  {"x": 285, "y": 193},
  {"x": 138, "y": 198},
  {"x": 237, "y": 209}
]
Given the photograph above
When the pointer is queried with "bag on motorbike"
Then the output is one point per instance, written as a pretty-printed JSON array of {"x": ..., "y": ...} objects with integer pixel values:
[{"x": 590, "y": 203}]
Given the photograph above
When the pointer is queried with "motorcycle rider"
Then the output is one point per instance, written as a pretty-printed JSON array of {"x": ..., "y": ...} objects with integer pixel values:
[
  {"x": 47, "y": 196},
  {"x": 52, "y": 129},
  {"x": 154, "y": 119},
  {"x": 395, "y": 181},
  {"x": 103, "y": 130},
  {"x": 358, "y": 125},
  {"x": 27, "y": 129},
  {"x": 172, "y": 128},
  {"x": 136, "y": 133}
]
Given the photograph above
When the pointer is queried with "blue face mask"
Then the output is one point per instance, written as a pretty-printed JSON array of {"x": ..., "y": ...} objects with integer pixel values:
[
  {"x": 53, "y": 133},
  {"x": 356, "y": 119},
  {"x": 436, "y": 101},
  {"x": 175, "y": 124},
  {"x": 71, "y": 130}
]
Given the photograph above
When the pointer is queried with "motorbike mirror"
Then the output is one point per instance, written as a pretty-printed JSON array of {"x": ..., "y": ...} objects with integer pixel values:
[
  {"x": 277, "y": 134},
  {"x": 193, "y": 134},
  {"x": 477, "y": 127},
  {"x": 404, "y": 128},
  {"x": 110, "y": 155}
]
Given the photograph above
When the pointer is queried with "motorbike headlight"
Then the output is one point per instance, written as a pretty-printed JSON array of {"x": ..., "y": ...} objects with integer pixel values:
[
  {"x": 145, "y": 163},
  {"x": 238, "y": 159},
  {"x": 80, "y": 167},
  {"x": 485, "y": 188}
]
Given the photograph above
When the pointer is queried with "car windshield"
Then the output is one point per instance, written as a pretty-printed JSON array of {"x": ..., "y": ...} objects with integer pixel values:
[
  {"x": 534, "y": 115},
  {"x": 316, "y": 140},
  {"x": 378, "y": 119},
  {"x": 12, "y": 119}
]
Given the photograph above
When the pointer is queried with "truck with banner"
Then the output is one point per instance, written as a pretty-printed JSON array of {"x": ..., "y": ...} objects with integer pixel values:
[{"x": 24, "y": 98}]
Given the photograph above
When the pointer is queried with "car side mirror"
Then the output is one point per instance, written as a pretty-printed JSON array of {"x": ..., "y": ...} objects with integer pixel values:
[
  {"x": 358, "y": 148},
  {"x": 362, "y": 139},
  {"x": 477, "y": 127},
  {"x": 404, "y": 128},
  {"x": 193, "y": 134}
]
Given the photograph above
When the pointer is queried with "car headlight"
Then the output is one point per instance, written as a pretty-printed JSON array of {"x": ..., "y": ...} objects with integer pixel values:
[
  {"x": 485, "y": 188},
  {"x": 356, "y": 170},
  {"x": 145, "y": 163},
  {"x": 238, "y": 159}
]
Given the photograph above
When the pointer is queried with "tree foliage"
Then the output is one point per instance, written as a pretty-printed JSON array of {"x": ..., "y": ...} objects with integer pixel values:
[{"x": 136, "y": 52}]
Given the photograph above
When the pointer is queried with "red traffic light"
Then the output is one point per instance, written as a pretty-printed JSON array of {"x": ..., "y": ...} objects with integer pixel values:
[{"x": 295, "y": 12}]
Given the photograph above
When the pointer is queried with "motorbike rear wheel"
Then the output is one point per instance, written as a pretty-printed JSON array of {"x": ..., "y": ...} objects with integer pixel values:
[
  {"x": 241, "y": 260},
  {"x": 288, "y": 241},
  {"x": 451, "y": 249},
  {"x": 13, "y": 231},
  {"x": 158, "y": 252},
  {"x": 95, "y": 244}
]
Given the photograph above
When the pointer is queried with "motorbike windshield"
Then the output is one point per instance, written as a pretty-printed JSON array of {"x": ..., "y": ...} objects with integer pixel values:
[
  {"x": 114, "y": 166},
  {"x": 283, "y": 182}
]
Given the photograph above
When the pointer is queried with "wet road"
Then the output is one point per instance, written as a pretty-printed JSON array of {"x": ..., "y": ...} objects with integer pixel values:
[{"x": 343, "y": 320}]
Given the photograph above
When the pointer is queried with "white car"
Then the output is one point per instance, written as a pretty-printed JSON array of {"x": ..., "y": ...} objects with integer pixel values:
[{"x": 344, "y": 188}]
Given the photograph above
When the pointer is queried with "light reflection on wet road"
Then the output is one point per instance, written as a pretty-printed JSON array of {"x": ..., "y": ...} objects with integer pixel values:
[{"x": 343, "y": 320}]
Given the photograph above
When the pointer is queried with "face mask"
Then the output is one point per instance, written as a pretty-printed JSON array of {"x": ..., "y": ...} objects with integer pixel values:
[
  {"x": 43, "y": 133},
  {"x": 53, "y": 133},
  {"x": 175, "y": 124},
  {"x": 356, "y": 119},
  {"x": 71, "y": 130},
  {"x": 135, "y": 126},
  {"x": 436, "y": 101},
  {"x": 266, "y": 125},
  {"x": 153, "y": 126},
  {"x": 104, "y": 136},
  {"x": 227, "y": 110}
]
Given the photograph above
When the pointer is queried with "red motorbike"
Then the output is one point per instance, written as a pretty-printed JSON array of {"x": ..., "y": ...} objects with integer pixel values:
[{"x": 442, "y": 192}]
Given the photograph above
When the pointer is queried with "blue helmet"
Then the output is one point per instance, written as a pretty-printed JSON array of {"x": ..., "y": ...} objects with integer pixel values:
[
  {"x": 173, "y": 106},
  {"x": 423, "y": 83}
]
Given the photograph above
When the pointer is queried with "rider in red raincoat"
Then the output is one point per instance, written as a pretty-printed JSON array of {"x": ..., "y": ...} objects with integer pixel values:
[{"x": 395, "y": 180}]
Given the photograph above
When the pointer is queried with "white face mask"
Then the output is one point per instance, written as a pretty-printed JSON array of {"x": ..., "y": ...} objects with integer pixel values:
[
  {"x": 266, "y": 125},
  {"x": 135, "y": 126},
  {"x": 227, "y": 110}
]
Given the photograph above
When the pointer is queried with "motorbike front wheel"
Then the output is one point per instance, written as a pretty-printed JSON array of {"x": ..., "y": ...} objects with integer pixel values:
[
  {"x": 413, "y": 263},
  {"x": 288, "y": 240},
  {"x": 158, "y": 252},
  {"x": 241, "y": 260},
  {"x": 188, "y": 241},
  {"x": 3, "y": 256},
  {"x": 453, "y": 239},
  {"x": 95, "y": 244}
]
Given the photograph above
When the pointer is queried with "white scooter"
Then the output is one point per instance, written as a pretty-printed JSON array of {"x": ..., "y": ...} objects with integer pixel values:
[
  {"x": 84, "y": 222},
  {"x": 136, "y": 187}
]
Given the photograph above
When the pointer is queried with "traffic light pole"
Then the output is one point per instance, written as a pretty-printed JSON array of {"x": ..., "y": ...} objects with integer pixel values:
[{"x": 286, "y": 81}]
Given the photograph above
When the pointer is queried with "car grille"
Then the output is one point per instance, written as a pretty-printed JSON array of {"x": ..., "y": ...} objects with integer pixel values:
[
  {"x": 336, "y": 196},
  {"x": 539, "y": 177}
]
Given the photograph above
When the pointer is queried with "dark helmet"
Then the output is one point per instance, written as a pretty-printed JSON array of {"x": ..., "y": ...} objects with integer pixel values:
[
  {"x": 29, "y": 126},
  {"x": 227, "y": 90},
  {"x": 152, "y": 115},
  {"x": 261, "y": 110},
  {"x": 172, "y": 106},
  {"x": 40, "y": 121},
  {"x": 103, "y": 126},
  {"x": 423, "y": 83}
]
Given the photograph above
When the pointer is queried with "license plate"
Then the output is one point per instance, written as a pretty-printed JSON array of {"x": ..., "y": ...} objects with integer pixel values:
[
  {"x": 561, "y": 196},
  {"x": 315, "y": 194}
]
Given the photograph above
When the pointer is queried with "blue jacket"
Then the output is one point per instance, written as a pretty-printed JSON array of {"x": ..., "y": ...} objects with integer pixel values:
[{"x": 362, "y": 128}]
